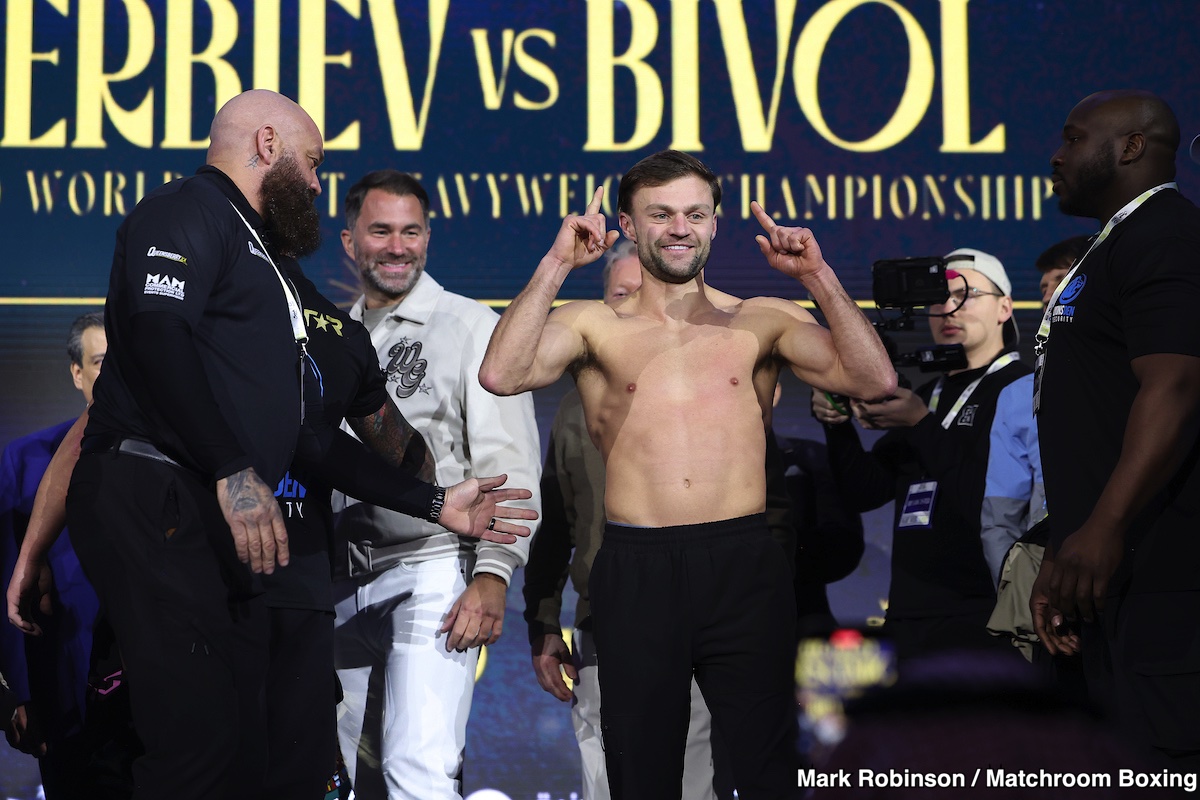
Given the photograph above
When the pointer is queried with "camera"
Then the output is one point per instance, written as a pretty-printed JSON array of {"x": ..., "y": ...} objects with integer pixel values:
[
  {"x": 906, "y": 285},
  {"x": 909, "y": 283}
]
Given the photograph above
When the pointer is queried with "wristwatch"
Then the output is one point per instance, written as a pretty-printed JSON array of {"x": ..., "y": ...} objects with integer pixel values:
[{"x": 439, "y": 500}]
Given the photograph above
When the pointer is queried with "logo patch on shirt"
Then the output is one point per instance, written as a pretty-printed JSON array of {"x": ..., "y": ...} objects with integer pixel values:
[
  {"x": 406, "y": 368},
  {"x": 290, "y": 493},
  {"x": 164, "y": 285},
  {"x": 154, "y": 252},
  {"x": 258, "y": 252},
  {"x": 321, "y": 322},
  {"x": 1064, "y": 309},
  {"x": 967, "y": 417}
]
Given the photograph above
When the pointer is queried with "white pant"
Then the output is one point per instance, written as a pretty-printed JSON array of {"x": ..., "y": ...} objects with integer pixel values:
[
  {"x": 403, "y": 721},
  {"x": 585, "y": 716}
]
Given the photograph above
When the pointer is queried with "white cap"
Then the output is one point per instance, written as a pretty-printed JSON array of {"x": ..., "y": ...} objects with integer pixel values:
[
  {"x": 985, "y": 264},
  {"x": 990, "y": 267}
]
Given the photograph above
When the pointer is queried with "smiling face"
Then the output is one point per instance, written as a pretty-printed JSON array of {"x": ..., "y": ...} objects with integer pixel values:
[
  {"x": 673, "y": 226},
  {"x": 388, "y": 244},
  {"x": 978, "y": 324}
]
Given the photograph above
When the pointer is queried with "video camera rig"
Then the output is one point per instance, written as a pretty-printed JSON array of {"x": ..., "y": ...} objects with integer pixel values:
[{"x": 907, "y": 285}]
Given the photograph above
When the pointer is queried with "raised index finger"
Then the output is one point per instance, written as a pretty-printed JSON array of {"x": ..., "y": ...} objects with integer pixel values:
[
  {"x": 761, "y": 215},
  {"x": 594, "y": 206}
]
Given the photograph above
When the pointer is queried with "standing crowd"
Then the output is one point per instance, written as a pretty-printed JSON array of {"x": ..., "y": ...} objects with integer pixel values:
[{"x": 298, "y": 525}]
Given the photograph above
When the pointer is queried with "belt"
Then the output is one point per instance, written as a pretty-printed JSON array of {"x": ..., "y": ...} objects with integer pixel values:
[{"x": 132, "y": 447}]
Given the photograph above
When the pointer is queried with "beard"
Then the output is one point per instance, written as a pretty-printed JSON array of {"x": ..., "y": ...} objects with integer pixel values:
[
  {"x": 656, "y": 265},
  {"x": 289, "y": 211},
  {"x": 1092, "y": 179},
  {"x": 394, "y": 287}
]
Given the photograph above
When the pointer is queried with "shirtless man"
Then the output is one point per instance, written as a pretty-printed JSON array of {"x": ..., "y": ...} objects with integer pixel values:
[{"x": 675, "y": 382}]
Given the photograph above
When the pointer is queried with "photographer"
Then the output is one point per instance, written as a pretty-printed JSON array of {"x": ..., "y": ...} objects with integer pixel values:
[{"x": 933, "y": 462}]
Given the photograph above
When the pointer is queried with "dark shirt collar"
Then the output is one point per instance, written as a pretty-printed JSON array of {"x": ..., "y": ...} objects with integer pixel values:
[
  {"x": 966, "y": 377},
  {"x": 230, "y": 190}
]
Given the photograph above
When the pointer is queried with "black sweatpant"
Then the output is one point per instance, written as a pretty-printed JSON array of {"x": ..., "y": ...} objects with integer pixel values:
[
  {"x": 715, "y": 600},
  {"x": 193, "y": 640}
]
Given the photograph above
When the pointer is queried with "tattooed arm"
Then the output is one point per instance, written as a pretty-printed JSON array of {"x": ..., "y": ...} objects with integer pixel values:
[
  {"x": 388, "y": 433},
  {"x": 249, "y": 507}
]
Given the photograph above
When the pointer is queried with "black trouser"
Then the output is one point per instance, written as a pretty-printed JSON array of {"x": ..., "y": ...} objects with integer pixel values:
[
  {"x": 154, "y": 544},
  {"x": 64, "y": 764},
  {"x": 714, "y": 600},
  {"x": 108, "y": 721},
  {"x": 301, "y": 704},
  {"x": 64, "y": 768},
  {"x": 1147, "y": 673}
]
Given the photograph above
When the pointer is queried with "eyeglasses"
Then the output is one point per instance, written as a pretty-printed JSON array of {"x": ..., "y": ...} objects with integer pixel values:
[{"x": 959, "y": 297}]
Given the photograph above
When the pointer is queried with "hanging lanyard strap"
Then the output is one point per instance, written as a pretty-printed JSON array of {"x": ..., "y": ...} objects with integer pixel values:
[
  {"x": 1043, "y": 334},
  {"x": 997, "y": 365},
  {"x": 289, "y": 292},
  {"x": 294, "y": 310}
]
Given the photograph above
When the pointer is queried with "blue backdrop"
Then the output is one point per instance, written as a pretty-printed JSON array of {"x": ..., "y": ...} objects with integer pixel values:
[{"x": 890, "y": 127}]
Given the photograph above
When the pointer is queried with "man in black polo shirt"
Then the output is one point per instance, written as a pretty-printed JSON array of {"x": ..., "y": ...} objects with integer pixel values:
[
  {"x": 301, "y": 680},
  {"x": 201, "y": 386},
  {"x": 1118, "y": 413},
  {"x": 207, "y": 379},
  {"x": 344, "y": 379}
]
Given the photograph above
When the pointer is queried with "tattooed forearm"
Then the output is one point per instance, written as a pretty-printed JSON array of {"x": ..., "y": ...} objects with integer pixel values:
[
  {"x": 388, "y": 433},
  {"x": 382, "y": 435}
]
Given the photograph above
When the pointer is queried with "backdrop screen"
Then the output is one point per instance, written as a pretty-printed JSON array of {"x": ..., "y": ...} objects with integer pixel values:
[{"x": 892, "y": 128}]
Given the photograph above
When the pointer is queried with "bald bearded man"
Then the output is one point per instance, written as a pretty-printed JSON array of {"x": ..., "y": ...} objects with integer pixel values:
[
  {"x": 1118, "y": 372},
  {"x": 201, "y": 388}
]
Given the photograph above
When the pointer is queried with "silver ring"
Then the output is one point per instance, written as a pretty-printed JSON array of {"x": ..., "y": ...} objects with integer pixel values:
[{"x": 492, "y": 525}]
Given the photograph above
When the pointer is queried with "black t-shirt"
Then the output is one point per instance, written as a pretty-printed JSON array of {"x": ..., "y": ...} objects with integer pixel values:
[
  {"x": 345, "y": 370},
  {"x": 202, "y": 361},
  {"x": 1136, "y": 294}
]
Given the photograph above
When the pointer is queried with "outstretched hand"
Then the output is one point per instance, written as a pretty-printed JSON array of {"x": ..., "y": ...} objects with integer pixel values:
[
  {"x": 30, "y": 587},
  {"x": 472, "y": 509},
  {"x": 583, "y": 238},
  {"x": 792, "y": 251}
]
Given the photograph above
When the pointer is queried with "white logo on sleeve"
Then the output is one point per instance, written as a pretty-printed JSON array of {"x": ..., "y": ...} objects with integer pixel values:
[{"x": 164, "y": 285}]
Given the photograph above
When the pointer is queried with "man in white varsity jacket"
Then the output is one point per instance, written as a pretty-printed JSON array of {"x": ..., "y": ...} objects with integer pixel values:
[{"x": 414, "y": 601}]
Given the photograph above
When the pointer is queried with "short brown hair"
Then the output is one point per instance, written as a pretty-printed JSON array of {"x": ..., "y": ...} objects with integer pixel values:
[
  {"x": 392, "y": 181},
  {"x": 1063, "y": 254},
  {"x": 660, "y": 169}
]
